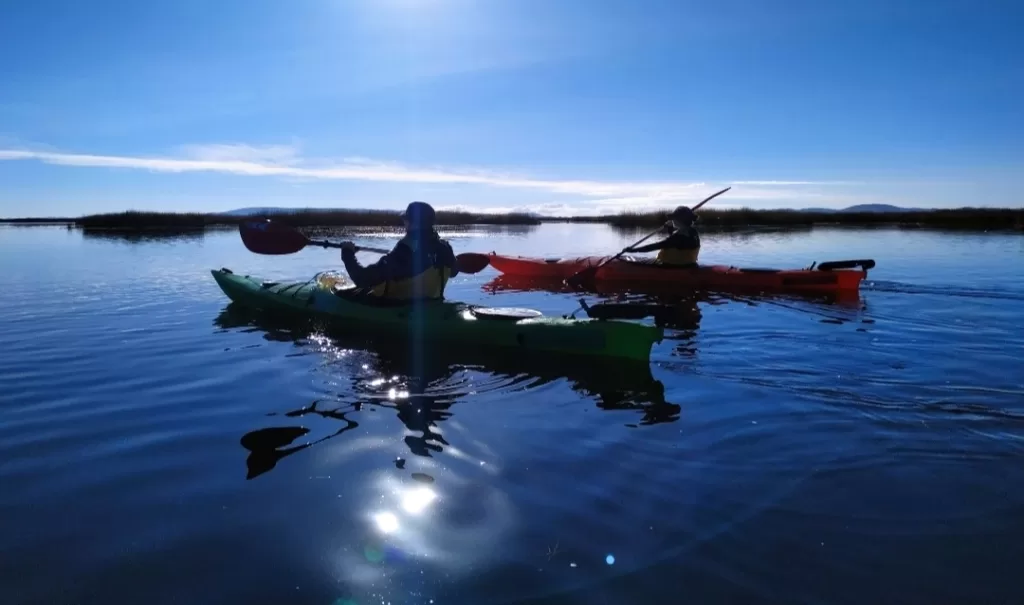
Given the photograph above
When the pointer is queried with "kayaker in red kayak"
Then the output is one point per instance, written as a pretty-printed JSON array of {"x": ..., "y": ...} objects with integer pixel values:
[
  {"x": 682, "y": 246},
  {"x": 419, "y": 266}
]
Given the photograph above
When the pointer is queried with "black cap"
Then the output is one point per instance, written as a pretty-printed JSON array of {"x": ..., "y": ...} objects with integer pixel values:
[{"x": 420, "y": 214}]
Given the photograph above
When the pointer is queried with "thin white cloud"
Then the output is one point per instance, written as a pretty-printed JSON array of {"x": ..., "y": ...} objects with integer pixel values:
[
  {"x": 784, "y": 183},
  {"x": 271, "y": 154},
  {"x": 606, "y": 207},
  {"x": 285, "y": 161}
]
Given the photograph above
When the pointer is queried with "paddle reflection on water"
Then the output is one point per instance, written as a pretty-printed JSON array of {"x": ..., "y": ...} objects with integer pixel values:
[
  {"x": 268, "y": 446},
  {"x": 416, "y": 381}
]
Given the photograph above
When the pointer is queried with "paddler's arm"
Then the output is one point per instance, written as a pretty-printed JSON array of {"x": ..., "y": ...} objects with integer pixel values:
[
  {"x": 377, "y": 273},
  {"x": 651, "y": 247},
  {"x": 681, "y": 239},
  {"x": 667, "y": 228},
  {"x": 449, "y": 259}
]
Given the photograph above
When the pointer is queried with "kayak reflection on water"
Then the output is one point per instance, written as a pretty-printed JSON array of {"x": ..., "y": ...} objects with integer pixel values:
[
  {"x": 675, "y": 310},
  {"x": 663, "y": 292},
  {"x": 672, "y": 307},
  {"x": 422, "y": 383}
]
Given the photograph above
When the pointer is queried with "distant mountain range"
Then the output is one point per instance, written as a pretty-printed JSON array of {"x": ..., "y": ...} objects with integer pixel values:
[{"x": 863, "y": 208}]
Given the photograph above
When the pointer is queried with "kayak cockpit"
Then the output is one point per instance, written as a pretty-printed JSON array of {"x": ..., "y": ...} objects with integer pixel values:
[{"x": 341, "y": 287}]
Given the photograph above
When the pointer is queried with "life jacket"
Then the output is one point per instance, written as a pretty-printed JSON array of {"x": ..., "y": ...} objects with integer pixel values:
[
  {"x": 685, "y": 253},
  {"x": 429, "y": 273}
]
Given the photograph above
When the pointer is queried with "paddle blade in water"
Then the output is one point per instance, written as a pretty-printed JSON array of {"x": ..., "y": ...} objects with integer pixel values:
[
  {"x": 266, "y": 237},
  {"x": 472, "y": 262}
]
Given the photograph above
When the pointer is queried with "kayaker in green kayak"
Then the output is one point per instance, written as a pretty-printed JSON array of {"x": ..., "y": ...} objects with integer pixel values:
[
  {"x": 418, "y": 267},
  {"x": 682, "y": 246}
]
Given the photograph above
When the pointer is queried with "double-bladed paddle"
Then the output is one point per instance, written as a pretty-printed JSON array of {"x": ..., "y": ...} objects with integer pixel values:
[{"x": 268, "y": 237}]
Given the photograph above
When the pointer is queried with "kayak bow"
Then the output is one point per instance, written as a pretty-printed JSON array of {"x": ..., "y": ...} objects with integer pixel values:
[{"x": 329, "y": 298}]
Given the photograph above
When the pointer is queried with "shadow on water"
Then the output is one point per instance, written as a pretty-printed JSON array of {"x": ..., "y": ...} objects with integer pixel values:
[{"x": 425, "y": 382}]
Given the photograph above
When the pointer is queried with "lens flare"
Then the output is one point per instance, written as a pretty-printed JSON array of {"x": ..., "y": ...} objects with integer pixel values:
[
  {"x": 414, "y": 502},
  {"x": 387, "y": 523}
]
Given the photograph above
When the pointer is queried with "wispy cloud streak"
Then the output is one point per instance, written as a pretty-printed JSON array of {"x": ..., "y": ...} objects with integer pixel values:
[{"x": 284, "y": 161}]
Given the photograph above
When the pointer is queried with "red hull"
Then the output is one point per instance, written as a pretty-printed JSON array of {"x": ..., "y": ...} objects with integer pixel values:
[{"x": 831, "y": 279}]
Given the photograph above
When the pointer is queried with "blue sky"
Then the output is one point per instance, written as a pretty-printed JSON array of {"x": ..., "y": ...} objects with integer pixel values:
[{"x": 579, "y": 106}]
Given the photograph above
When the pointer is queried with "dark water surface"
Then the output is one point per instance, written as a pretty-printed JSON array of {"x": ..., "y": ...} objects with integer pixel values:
[{"x": 159, "y": 447}]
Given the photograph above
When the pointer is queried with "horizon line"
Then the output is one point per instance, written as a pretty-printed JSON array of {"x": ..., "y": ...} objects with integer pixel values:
[{"x": 263, "y": 210}]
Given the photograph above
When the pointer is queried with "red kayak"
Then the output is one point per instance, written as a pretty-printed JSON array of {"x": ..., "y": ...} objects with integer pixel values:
[{"x": 829, "y": 277}]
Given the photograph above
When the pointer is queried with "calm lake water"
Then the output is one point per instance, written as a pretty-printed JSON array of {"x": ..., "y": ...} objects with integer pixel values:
[{"x": 157, "y": 447}]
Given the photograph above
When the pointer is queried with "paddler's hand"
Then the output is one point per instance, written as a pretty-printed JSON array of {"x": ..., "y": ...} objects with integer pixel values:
[
  {"x": 347, "y": 246},
  {"x": 668, "y": 227}
]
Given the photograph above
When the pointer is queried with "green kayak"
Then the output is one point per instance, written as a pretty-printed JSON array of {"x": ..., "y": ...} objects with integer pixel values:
[{"x": 328, "y": 297}]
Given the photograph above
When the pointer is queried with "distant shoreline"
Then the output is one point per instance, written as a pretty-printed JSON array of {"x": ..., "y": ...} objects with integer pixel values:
[{"x": 972, "y": 219}]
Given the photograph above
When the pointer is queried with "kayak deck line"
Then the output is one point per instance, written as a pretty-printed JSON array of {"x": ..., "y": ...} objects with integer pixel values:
[
  {"x": 826, "y": 277},
  {"x": 330, "y": 299}
]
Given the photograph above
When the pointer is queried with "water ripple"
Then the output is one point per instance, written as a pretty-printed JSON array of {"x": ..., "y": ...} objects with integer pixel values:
[{"x": 777, "y": 447}]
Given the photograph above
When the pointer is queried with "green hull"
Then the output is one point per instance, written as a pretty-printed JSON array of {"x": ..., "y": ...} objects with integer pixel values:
[{"x": 443, "y": 321}]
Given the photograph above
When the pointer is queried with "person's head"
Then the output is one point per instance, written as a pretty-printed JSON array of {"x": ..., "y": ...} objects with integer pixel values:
[
  {"x": 418, "y": 216},
  {"x": 683, "y": 217}
]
